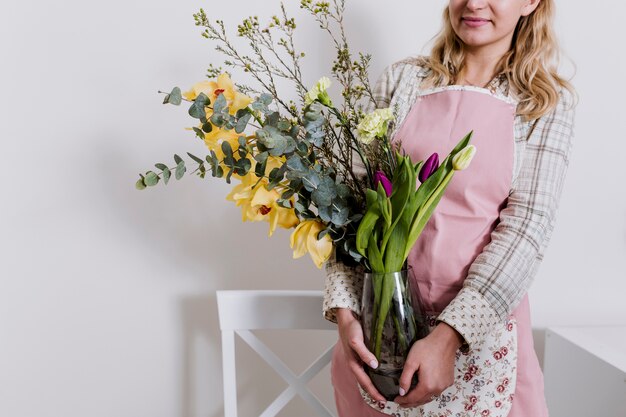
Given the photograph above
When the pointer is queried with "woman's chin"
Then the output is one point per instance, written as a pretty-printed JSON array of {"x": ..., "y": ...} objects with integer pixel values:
[{"x": 475, "y": 40}]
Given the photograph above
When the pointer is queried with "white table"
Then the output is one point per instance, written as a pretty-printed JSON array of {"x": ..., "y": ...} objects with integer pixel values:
[{"x": 585, "y": 371}]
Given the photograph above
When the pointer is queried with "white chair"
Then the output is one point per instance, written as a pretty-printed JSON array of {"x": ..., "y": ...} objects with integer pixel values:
[{"x": 243, "y": 311}]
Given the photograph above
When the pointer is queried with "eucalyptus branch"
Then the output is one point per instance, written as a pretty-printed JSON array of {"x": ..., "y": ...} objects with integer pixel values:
[{"x": 248, "y": 64}]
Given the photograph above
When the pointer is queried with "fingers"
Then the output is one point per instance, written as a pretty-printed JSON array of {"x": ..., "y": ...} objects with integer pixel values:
[
  {"x": 357, "y": 353},
  {"x": 422, "y": 393},
  {"x": 358, "y": 346},
  {"x": 407, "y": 376},
  {"x": 418, "y": 396},
  {"x": 353, "y": 341},
  {"x": 365, "y": 381}
]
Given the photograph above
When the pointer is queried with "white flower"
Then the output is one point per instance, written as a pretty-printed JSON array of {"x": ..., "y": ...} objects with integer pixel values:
[
  {"x": 374, "y": 125},
  {"x": 462, "y": 159},
  {"x": 318, "y": 92}
]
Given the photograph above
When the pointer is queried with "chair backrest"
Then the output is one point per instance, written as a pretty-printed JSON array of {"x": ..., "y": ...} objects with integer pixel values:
[{"x": 243, "y": 311}]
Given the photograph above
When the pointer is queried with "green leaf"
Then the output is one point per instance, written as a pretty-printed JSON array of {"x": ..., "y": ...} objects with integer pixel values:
[
  {"x": 266, "y": 99},
  {"x": 218, "y": 120},
  {"x": 166, "y": 175},
  {"x": 261, "y": 157},
  {"x": 336, "y": 213},
  {"x": 197, "y": 108},
  {"x": 394, "y": 252},
  {"x": 180, "y": 170},
  {"x": 203, "y": 99},
  {"x": 259, "y": 106},
  {"x": 242, "y": 166},
  {"x": 295, "y": 130},
  {"x": 242, "y": 122},
  {"x": 195, "y": 158},
  {"x": 219, "y": 106},
  {"x": 214, "y": 163},
  {"x": 199, "y": 133},
  {"x": 140, "y": 185},
  {"x": 207, "y": 127},
  {"x": 161, "y": 166},
  {"x": 302, "y": 148},
  {"x": 151, "y": 179},
  {"x": 366, "y": 227},
  {"x": 212, "y": 158},
  {"x": 462, "y": 143},
  {"x": 230, "y": 173},
  {"x": 228, "y": 154},
  {"x": 259, "y": 169},
  {"x": 311, "y": 181},
  {"x": 197, "y": 111},
  {"x": 276, "y": 176},
  {"x": 284, "y": 125},
  {"x": 287, "y": 194},
  {"x": 403, "y": 187},
  {"x": 300, "y": 206},
  {"x": 343, "y": 190},
  {"x": 175, "y": 97},
  {"x": 294, "y": 163},
  {"x": 177, "y": 159},
  {"x": 373, "y": 254},
  {"x": 424, "y": 212},
  {"x": 272, "y": 119},
  {"x": 325, "y": 192}
]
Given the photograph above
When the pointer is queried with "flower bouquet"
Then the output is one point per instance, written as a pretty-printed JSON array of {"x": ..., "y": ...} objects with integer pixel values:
[{"x": 297, "y": 163}]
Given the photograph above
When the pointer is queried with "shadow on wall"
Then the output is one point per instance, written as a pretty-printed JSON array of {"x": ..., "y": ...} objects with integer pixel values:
[
  {"x": 190, "y": 234},
  {"x": 539, "y": 337},
  {"x": 257, "y": 383},
  {"x": 190, "y": 229}
]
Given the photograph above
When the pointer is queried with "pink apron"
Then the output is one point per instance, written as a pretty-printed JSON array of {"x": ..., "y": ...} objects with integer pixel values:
[{"x": 501, "y": 377}]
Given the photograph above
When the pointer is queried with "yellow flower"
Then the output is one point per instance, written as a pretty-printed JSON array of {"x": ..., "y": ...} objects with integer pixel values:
[
  {"x": 242, "y": 194},
  {"x": 258, "y": 203},
  {"x": 304, "y": 238},
  {"x": 275, "y": 214},
  {"x": 213, "y": 140},
  {"x": 223, "y": 85}
]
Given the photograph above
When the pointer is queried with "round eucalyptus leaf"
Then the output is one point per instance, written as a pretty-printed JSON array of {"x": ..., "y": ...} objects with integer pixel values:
[{"x": 151, "y": 179}]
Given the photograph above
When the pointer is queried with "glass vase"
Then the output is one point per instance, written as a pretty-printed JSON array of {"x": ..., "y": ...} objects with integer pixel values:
[{"x": 393, "y": 318}]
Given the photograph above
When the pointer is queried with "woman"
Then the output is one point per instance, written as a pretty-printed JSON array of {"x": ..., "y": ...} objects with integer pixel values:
[{"x": 492, "y": 70}]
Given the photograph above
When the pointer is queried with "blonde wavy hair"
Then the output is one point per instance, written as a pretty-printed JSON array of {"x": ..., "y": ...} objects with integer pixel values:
[{"x": 530, "y": 65}]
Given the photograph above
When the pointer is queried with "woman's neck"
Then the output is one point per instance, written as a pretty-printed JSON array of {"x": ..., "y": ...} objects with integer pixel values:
[{"x": 479, "y": 68}]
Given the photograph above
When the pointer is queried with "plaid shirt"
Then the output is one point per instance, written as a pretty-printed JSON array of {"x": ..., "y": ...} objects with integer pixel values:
[{"x": 502, "y": 273}]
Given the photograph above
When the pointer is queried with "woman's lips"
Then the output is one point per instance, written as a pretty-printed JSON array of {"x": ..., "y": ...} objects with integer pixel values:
[{"x": 474, "y": 22}]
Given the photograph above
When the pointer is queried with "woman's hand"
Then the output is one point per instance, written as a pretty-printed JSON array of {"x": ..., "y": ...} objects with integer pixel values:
[
  {"x": 351, "y": 336},
  {"x": 433, "y": 358}
]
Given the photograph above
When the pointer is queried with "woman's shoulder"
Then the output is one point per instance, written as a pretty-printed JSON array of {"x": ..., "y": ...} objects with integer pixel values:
[
  {"x": 419, "y": 63},
  {"x": 405, "y": 72},
  {"x": 414, "y": 64}
]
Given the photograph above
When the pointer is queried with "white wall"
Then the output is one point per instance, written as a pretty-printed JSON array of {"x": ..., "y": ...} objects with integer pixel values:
[{"x": 107, "y": 303}]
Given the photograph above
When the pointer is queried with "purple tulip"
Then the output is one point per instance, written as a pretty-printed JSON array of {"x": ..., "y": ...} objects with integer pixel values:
[
  {"x": 430, "y": 166},
  {"x": 380, "y": 178}
]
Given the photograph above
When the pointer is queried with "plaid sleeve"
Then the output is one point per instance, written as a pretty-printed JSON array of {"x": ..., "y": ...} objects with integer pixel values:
[
  {"x": 343, "y": 284},
  {"x": 502, "y": 273}
]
